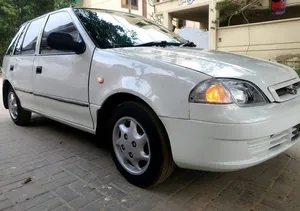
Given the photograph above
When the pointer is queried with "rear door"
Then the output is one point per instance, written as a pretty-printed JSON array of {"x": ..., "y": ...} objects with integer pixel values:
[
  {"x": 8, "y": 59},
  {"x": 21, "y": 63},
  {"x": 61, "y": 78}
]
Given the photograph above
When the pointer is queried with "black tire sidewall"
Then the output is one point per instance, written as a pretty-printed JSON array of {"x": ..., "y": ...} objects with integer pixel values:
[{"x": 145, "y": 118}]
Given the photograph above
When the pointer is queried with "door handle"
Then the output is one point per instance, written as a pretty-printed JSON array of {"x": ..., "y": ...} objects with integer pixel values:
[
  {"x": 39, "y": 70},
  {"x": 11, "y": 68}
]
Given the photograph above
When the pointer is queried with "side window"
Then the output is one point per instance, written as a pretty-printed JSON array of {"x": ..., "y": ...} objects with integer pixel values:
[
  {"x": 58, "y": 22},
  {"x": 20, "y": 41},
  {"x": 14, "y": 41},
  {"x": 31, "y": 37}
]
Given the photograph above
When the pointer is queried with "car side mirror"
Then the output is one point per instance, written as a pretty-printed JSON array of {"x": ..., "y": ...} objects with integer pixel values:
[{"x": 65, "y": 42}]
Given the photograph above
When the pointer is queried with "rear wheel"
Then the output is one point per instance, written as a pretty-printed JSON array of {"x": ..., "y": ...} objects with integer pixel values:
[
  {"x": 140, "y": 146},
  {"x": 19, "y": 115}
]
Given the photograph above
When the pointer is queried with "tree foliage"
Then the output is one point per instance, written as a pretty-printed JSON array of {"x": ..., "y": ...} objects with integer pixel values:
[
  {"x": 15, "y": 12},
  {"x": 105, "y": 34}
]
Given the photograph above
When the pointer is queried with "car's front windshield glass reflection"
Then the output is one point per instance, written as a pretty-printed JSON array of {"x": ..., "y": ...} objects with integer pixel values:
[{"x": 111, "y": 29}]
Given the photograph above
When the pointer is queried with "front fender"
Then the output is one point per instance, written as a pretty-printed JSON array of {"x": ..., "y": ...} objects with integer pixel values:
[{"x": 162, "y": 86}]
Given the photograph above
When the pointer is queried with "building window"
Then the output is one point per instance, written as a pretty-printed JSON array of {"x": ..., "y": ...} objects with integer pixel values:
[{"x": 134, "y": 4}]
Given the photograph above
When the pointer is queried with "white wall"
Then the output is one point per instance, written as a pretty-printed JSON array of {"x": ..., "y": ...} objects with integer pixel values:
[
  {"x": 192, "y": 24},
  {"x": 168, "y": 6},
  {"x": 116, "y": 5},
  {"x": 268, "y": 40},
  {"x": 196, "y": 35}
]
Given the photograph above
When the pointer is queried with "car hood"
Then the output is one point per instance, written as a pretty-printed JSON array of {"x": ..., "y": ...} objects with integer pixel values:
[{"x": 217, "y": 64}]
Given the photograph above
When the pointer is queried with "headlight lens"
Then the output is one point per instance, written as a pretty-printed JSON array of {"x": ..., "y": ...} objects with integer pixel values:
[{"x": 226, "y": 91}]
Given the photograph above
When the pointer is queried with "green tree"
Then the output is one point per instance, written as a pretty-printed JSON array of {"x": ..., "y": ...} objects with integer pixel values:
[
  {"x": 15, "y": 12},
  {"x": 8, "y": 18},
  {"x": 104, "y": 33}
]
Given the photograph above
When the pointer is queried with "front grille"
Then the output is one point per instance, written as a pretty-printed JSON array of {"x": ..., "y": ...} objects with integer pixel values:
[
  {"x": 291, "y": 89},
  {"x": 273, "y": 142},
  {"x": 295, "y": 132},
  {"x": 264, "y": 144},
  {"x": 286, "y": 90}
]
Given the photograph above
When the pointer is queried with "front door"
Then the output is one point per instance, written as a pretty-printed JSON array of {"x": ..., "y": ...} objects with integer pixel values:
[{"x": 61, "y": 78}]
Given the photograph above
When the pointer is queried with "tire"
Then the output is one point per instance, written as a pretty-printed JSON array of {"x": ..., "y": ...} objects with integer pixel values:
[
  {"x": 19, "y": 116},
  {"x": 159, "y": 165}
]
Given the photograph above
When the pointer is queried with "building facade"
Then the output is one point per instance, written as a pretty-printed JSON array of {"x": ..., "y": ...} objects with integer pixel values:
[
  {"x": 271, "y": 37},
  {"x": 140, "y": 7}
]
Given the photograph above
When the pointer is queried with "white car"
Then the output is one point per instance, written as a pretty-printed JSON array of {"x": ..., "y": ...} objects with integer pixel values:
[{"x": 157, "y": 99}]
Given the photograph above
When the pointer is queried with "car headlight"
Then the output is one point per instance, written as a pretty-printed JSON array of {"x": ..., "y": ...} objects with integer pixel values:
[{"x": 227, "y": 91}]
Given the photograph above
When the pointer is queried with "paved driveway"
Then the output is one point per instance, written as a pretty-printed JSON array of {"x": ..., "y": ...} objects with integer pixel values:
[{"x": 68, "y": 172}]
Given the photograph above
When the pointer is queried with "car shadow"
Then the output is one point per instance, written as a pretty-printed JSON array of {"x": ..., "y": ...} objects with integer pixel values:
[{"x": 40, "y": 123}]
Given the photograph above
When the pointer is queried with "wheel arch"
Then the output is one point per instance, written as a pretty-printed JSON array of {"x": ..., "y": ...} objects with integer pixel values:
[
  {"x": 5, "y": 87},
  {"x": 112, "y": 102}
]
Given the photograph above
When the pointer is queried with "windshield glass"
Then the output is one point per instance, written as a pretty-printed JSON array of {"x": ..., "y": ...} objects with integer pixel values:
[{"x": 112, "y": 29}]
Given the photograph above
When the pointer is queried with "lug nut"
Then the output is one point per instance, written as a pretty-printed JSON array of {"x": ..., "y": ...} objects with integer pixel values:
[
  {"x": 125, "y": 136},
  {"x": 130, "y": 155},
  {"x": 133, "y": 144},
  {"x": 123, "y": 147}
]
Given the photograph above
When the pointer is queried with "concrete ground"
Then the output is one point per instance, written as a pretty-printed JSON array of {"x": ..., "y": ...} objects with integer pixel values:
[{"x": 68, "y": 172}]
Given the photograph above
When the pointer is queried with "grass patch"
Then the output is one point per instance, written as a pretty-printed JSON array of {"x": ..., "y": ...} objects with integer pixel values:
[{"x": 297, "y": 71}]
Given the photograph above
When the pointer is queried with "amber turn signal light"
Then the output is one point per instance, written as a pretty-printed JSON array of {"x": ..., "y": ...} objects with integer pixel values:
[{"x": 217, "y": 94}]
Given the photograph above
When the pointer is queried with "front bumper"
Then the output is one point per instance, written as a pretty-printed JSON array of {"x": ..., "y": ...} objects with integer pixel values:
[{"x": 230, "y": 141}]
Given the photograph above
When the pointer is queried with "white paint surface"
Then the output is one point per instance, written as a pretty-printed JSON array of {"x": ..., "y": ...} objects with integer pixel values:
[{"x": 198, "y": 36}]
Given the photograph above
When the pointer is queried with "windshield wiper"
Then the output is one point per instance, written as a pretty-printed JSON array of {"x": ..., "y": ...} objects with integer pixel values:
[
  {"x": 188, "y": 44},
  {"x": 165, "y": 43},
  {"x": 160, "y": 43}
]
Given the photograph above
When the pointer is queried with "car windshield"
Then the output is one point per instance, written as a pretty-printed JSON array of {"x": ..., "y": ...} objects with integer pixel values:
[{"x": 112, "y": 29}]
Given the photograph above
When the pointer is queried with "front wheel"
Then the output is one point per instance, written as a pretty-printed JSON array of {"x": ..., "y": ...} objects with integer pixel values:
[
  {"x": 18, "y": 115},
  {"x": 140, "y": 146}
]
